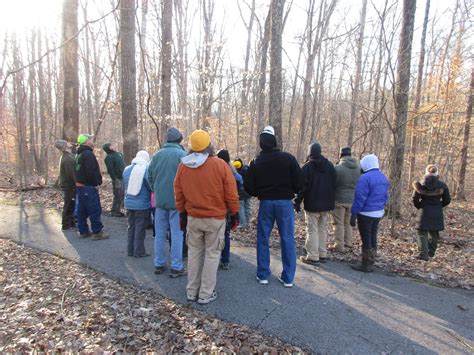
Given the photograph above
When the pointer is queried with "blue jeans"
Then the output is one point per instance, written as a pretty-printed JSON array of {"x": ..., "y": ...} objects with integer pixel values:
[
  {"x": 88, "y": 206},
  {"x": 368, "y": 228},
  {"x": 282, "y": 212},
  {"x": 244, "y": 212},
  {"x": 168, "y": 220}
]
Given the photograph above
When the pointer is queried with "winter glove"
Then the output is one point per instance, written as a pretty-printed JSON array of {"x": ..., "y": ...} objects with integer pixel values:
[
  {"x": 353, "y": 220},
  {"x": 183, "y": 221},
  {"x": 234, "y": 221},
  {"x": 297, "y": 207}
]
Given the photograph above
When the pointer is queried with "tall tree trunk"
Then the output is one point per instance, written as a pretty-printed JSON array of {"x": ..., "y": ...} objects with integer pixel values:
[
  {"x": 275, "y": 86},
  {"x": 166, "y": 61},
  {"x": 419, "y": 83},
  {"x": 401, "y": 106},
  {"x": 358, "y": 75},
  {"x": 265, "y": 42},
  {"x": 460, "y": 191},
  {"x": 128, "y": 79},
  {"x": 70, "y": 71}
]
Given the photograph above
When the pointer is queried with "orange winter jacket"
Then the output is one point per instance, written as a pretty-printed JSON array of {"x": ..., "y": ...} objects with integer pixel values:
[{"x": 207, "y": 191}]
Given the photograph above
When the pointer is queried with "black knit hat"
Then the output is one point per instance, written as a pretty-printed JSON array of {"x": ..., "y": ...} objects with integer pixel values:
[
  {"x": 346, "y": 151},
  {"x": 224, "y": 155}
]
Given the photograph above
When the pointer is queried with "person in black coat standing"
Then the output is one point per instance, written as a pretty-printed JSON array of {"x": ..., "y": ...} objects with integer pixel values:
[
  {"x": 319, "y": 196},
  {"x": 430, "y": 197}
]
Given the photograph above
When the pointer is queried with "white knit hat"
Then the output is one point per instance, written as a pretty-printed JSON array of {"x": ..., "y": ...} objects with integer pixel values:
[{"x": 269, "y": 130}]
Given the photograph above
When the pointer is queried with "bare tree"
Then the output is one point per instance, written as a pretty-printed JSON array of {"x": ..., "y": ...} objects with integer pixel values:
[
  {"x": 275, "y": 96},
  {"x": 401, "y": 105},
  {"x": 70, "y": 71},
  {"x": 166, "y": 62},
  {"x": 128, "y": 79}
]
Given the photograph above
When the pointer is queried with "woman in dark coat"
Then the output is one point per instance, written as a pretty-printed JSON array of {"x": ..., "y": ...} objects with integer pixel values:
[{"x": 430, "y": 197}]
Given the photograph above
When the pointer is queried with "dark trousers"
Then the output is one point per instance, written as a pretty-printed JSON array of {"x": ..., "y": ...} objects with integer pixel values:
[
  {"x": 368, "y": 229},
  {"x": 88, "y": 206},
  {"x": 137, "y": 223},
  {"x": 69, "y": 207},
  {"x": 427, "y": 242},
  {"x": 225, "y": 254},
  {"x": 117, "y": 202}
]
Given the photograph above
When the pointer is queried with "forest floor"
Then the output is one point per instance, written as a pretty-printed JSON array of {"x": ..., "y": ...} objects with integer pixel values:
[
  {"x": 95, "y": 313},
  {"x": 453, "y": 265}
]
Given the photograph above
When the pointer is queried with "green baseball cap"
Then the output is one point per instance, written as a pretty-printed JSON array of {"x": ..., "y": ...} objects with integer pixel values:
[{"x": 83, "y": 138}]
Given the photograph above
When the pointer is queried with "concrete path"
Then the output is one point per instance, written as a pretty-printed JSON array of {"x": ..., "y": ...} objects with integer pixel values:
[{"x": 332, "y": 309}]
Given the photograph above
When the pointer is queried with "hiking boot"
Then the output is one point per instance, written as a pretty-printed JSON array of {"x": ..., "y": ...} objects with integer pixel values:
[
  {"x": 309, "y": 261},
  {"x": 286, "y": 284},
  {"x": 211, "y": 298},
  {"x": 422, "y": 257},
  {"x": 68, "y": 228},
  {"x": 117, "y": 214},
  {"x": 261, "y": 281},
  {"x": 142, "y": 256},
  {"x": 85, "y": 235},
  {"x": 160, "y": 269},
  {"x": 364, "y": 266},
  {"x": 100, "y": 236},
  {"x": 323, "y": 259},
  {"x": 177, "y": 273},
  {"x": 224, "y": 266}
]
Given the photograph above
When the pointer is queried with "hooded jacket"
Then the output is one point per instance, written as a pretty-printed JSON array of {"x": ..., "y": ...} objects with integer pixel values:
[
  {"x": 274, "y": 175},
  {"x": 66, "y": 179},
  {"x": 319, "y": 187},
  {"x": 347, "y": 174},
  {"x": 429, "y": 198},
  {"x": 243, "y": 195},
  {"x": 371, "y": 193},
  {"x": 161, "y": 174},
  {"x": 86, "y": 167},
  {"x": 114, "y": 162},
  {"x": 205, "y": 187}
]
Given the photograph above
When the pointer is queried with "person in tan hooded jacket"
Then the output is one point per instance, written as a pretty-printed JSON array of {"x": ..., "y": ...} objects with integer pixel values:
[{"x": 205, "y": 190}]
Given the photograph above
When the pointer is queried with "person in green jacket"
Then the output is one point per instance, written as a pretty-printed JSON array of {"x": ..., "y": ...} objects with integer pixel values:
[
  {"x": 115, "y": 166},
  {"x": 161, "y": 173},
  {"x": 347, "y": 174},
  {"x": 67, "y": 183}
]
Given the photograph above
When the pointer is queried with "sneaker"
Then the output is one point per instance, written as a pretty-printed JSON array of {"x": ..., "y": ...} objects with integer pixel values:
[
  {"x": 160, "y": 269},
  {"x": 286, "y": 284},
  {"x": 211, "y": 298},
  {"x": 68, "y": 228},
  {"x": 85, "y": 235},
  {"x": 177, "y": 273},
  {"x": 323, "y": 259},
  {"x": 100, "y": 236},
  {"x": 424, "y": 258},
  {"x": 117, "y": 214},
  {"x": 224, "y": 266},
  {"x": 143, "y": 256},
  {"x": 262, "y": 282},
  {"x": 191, "y": 297},
  {"x": 309, "y": 261}
]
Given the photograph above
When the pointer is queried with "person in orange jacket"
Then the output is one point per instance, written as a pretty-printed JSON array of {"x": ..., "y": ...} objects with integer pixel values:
[{"x": 205, "y": 190}]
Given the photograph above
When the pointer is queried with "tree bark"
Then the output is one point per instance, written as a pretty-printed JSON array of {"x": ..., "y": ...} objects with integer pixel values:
[
  {"x": 402, "y": 87},
  {"x": 460, "y": 191},
  {"x": 166, "y": 61},
  {"x": 70, "y": 71},
  {"x": 128, "y": 79},
  {"x": 275, "y": 85}
]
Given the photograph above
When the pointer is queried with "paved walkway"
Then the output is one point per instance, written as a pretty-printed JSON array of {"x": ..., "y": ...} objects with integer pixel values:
[{"x": 332, "y": 309}]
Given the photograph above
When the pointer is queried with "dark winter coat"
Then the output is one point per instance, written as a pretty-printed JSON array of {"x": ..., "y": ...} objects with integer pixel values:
[
  {"x": 319, "y": 188},
  {"x": 114, "y": 163},
  {"x": 274, "y": 175},
  {"x": 66, "y": 179},
  {"x": 87, "y": 169},
  {"x": 347, "y": 174},
  {"x": 243, "y": 195},
  {"x": 430, "y": 197}
]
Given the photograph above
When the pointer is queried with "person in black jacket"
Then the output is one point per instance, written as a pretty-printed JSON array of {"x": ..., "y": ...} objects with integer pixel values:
[
  {"x": 274, "y": 177},
  {"x": 88, "y": 179},
  {"x": 430, "y": 197},
  {"x": 319, "y": 196},
  {"x": 67, "y": 183},
  {"x": 245, "y": 211}
]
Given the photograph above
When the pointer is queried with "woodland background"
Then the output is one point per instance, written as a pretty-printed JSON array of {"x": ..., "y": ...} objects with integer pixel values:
[{"x": 390, "y": 77}]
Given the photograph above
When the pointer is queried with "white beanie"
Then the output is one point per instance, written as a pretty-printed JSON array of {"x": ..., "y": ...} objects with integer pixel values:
[{"x": 269, "y": 130}]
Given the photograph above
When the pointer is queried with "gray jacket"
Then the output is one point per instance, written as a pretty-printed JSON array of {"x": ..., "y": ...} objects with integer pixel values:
[{"x": 347, "y": 174}]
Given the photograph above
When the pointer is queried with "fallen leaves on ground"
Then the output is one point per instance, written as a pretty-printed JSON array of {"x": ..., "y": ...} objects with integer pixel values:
[{"x": 52, "y": 305}]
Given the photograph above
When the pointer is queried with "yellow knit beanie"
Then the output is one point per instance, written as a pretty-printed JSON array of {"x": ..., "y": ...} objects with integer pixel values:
[
  {"x": 237, "y": 164},
  {"x": 199, "y": 140}
]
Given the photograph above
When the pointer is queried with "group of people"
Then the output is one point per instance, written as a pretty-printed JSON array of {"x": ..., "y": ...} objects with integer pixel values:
[{"x": 198, "y": 197}]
